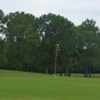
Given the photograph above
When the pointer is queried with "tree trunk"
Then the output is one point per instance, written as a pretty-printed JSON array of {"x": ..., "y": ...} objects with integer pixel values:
[
  {"x": 66, "y": 71},
  {"x": 75, "y": 60},
  {"x": 25, "y": 67},
  {"x": 60, "y": 73},
  {"x": 46, "y": 70},
  {"x": 90, "y": 72},
  {"x": 50, "y": 71},
  {"x": 86, "y": 70},
  {"x": 69, "y": 72}
]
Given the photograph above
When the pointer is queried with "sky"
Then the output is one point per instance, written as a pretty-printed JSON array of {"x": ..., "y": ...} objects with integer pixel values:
[{"x": 74, "y": 10}]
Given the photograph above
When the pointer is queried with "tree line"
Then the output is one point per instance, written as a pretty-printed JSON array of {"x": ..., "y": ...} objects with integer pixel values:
[{"x": 30, "y": 44}]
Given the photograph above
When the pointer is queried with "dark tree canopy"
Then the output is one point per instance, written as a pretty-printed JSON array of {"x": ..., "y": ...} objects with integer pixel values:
[{"x": 30, "y": 44}]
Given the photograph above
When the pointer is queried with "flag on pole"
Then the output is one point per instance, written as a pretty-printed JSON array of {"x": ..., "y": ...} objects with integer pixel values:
[{"x": 57, "y": 47}]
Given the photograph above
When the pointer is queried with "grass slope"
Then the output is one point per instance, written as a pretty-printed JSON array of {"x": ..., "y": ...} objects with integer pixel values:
[{"x": 16, "y": 85}]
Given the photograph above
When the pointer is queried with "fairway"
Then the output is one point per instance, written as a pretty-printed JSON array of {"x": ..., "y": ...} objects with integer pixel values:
[{"x": 16, "y": 85}]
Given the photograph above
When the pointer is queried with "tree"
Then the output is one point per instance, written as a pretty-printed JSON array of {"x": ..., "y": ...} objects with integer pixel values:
[
  {"x": 68, "y": 48},
  {"x": 1, "y": 17},
  {"x": 22, "y": 39},
  {"x": 87, "y": 42},
  {"x": 54, "y": 29},
  {"x": 3, "y": 45}
]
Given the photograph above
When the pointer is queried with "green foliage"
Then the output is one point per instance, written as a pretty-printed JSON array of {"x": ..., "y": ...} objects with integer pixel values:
[
  {"x": 3, "y": 52},
  {"x": 22, "y": 39},
  {"x": 88, "y": 43},
  {"x": 56, "y": 29},
  {"x": 30, "y": 43}
]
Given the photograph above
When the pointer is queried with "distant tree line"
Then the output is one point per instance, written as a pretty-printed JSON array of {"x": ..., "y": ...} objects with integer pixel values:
[{"x": 30, "y": 44}]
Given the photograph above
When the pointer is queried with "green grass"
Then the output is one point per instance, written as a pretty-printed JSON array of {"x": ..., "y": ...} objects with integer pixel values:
[{"x": 16, "y": 85}]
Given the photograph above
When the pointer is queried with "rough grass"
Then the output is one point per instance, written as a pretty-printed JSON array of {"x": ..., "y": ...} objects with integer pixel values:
[{"x": 16, "y": 85}]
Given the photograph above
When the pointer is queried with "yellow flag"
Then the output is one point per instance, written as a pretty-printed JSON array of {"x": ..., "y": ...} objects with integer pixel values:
[{"x": 58, "y": 49}]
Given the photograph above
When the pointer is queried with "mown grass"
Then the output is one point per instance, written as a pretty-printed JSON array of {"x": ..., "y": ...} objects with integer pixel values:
[{"x": 16, "y": 85}]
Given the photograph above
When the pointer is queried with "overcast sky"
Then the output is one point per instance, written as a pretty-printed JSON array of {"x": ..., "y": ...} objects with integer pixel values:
[{"x": 74, "y": 10}]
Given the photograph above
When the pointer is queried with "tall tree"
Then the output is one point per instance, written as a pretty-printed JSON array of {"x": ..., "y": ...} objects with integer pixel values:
[
  {"x": 68, "y": 48},
  {"x": 3, "y": 45},
  {"x": 22, "y": 39},
  {"x": 87, "y": 43},
  {"x": 53, "y": 29}
]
